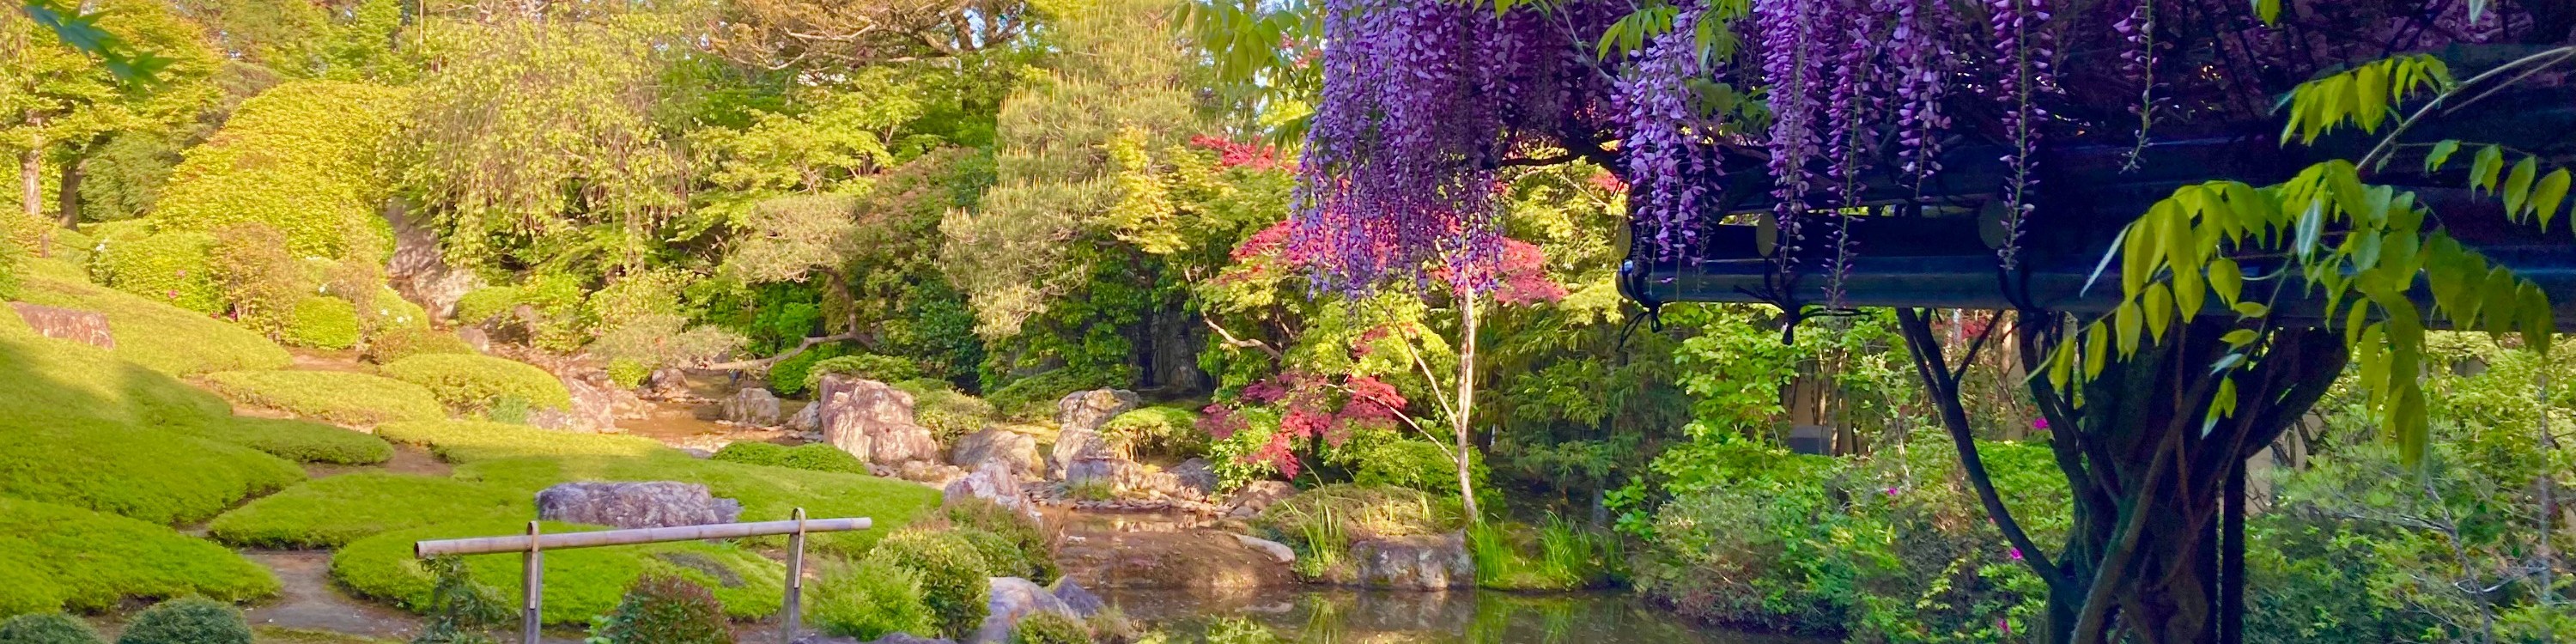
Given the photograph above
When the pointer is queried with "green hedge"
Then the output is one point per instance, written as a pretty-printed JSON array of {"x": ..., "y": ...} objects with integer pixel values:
[
  {"x": 164, "y": 338},
  {"x": 330, "y": 512},
  {"x": 324, "y": 323},
  {"x": 820, "y": 457},
  {"x": 880, "y": 368},
  {"x": 88, "y": 430},
  {"x": 165, "y": 267},
  {"x": 299, "y": 440},
  {"x": 580, "y": 583},
  {"x": 397, "y": 343},
  {"x": 332, "y": 396},
  {"x": 473, "y": 383},
  {"x": 55, "y": 557},
  {"x": 1033, "y": 398},
  {"x": 302, "y": 157}
]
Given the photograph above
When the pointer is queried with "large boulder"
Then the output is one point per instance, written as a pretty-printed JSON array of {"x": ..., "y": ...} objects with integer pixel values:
[
  {"x": 1083, "y": 602},
  {"x": 992, "y": 481},
  {"x": 420, "y": 273},
  {"x": 1111, "y": 472},
  {"x": 752, "y": 406},
  {"x": 1434, "y": 562},
  {"x": 1088, "y": 410},
  {"x": 1073, "y": 444},
  {"x": 66, "y": 324},
  {"x": 808, "y": 419},
  {"x": 872, "y": 421},
  {"x": 1013, "y": 599},
  {"x": 1196, "y": 476},
  {"x": 668, "y": 383},
  {"x": 1016, "y": 451},
  {"x": 596, "y": 405},
  {"x": 651, "y": 504}
]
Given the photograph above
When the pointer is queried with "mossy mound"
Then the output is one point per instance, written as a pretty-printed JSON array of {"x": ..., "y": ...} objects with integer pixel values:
[
  {"x": 820, "y": 457},
  {"x": 580, "y": 583},
  {"x": 324, "y": 323},
  {"x": 473, "y": 383},
  {"x": 299, "y": 440},
  {"x": 331, "y": 396},
  {"x": 88, "y": 430},
  {"x": 330, "y": 512},
  {"x": 159, "y": 336},
  {"x": 165, "y": 267},
  {"x": 54, "y": 557}
]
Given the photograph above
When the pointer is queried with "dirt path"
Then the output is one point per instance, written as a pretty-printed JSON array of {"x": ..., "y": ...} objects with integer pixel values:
[{"x": 309, "y": 600}]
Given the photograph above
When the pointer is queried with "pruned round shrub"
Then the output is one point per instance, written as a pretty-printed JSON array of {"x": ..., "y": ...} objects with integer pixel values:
[
  {"x": 820, "y": 457},
  {"x": 1050, "y": 628},
  {"x": 481, "y": 305},
  {"x": 189, "y": 620},
  {"x": 333, "y": 396},
  {"x": 1006, "y": 557},
  {"x": 474, "y": 383},
  {"x": 168, "y": 267},
  {"x": 954, "y": 580},
  {"x": 261, "y": 282},
  {"x": 869, "y": 366},
  {"x": 787, "y": 377},
  {"x": 1159, "y": 430},
  {"x": 298, "y": 440},
  {"x": 47, "y": 628},
  {"x": 1016, "y": 545},
  {"x": 157, "y": 335},
  {"x": 324, "y": 323},
  {"x": 395, "y": 343},
  {"x": 302, "y": 157},
  {"x": 947, "y": 412},
  {"x": 661, "y": 609},
  {"x": 869, "y": 600}
]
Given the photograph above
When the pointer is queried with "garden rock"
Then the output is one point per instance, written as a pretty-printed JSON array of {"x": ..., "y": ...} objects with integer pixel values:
[
  {"x": 595, "y": 405},
  {"x": 807, "y": 419},
  {"x": 1083, "y": 603},
  {"x": 872, "y": 421},
  {"x": 420, "y": 273},
  {"x": 1257, "y": 496},
  {"x": 1088, "y": 410},
  {"x": 992, "y": 481},
  {"x": 474, "y": 337},
  {"x": 67, "y": 324},
  {"x": 652, "y": 504},
  {"x": 669, "y": 383},
  {"x": 1073, "y": 444},
  {"x": 1278, "y": 552},
  {"x": 1014, "y": 450},
  {"x": 753, "y": 406},
  {"x": 1197, "y": 476},
  {"x": 1012, "y": 600},
  {"x": 1109, "y": 471},
  {"x": 1436, "y": 562}
]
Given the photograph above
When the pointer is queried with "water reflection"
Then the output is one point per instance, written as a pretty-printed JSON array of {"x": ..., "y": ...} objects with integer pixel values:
[{"x": 1345, "y": 616}]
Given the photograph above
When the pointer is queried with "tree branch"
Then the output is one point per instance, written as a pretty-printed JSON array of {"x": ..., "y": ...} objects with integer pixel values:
[{"x": 1945, "y": 394}]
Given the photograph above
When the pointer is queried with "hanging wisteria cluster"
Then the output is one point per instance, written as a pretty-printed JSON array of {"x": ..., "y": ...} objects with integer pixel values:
[{"x": 1424, "y": 101}]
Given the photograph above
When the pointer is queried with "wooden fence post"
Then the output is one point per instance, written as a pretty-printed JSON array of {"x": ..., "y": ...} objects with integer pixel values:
[
  {"x": 795, "y": 582},
  {"x": 534, "y": 589}
]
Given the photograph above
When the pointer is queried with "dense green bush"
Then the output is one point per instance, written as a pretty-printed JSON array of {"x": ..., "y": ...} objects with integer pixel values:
[
  {"x": 1555, "y": 557},
  {"x": 188, "y": 620},
  {"x": 483, "y": 304},
  {"x": 820, "y": 457},
  {"x": 328, "y": 512},
  {"x": 947, "y": 412},
  {"x": 954, "y": 579},
  {"x": 1050, "y": 628},
  {"x": 169, "y": 267},
  {"x": 1163, "y": 431},
  {"x": 580, "y": 583},
  {"x": 159, "y": 336},
  {"x": 324, "y": 323},
  {"x": 664, "y": 610},
  {"x": 1033, "y": 398},
  {"x": 57, "y": 557},
  {"x": 1026, "y": 548},
  {"x": 331, "y": 396},
  {"x": 301, "y": 157},
  {"x": 396, "y": 343},
  {"x": 47, "y": 628},
  {"x": 870, "y": 599},
  {"x": 298, "y": 440},
  {"x": 261, "y": 282},
  {"x": 787, "y": 377},
  {"x": 471, "y": 383},
  {"x": 866, "y": 366}
]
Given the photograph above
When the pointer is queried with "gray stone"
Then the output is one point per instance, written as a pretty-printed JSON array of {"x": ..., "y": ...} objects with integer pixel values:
[
  {"x": 475, "y": 337},
  {"x": 420, "y": 273},
  {"x": 67, "y": 324},
  {"x": 992, "y": 481},
  {"x": 807, "y": 418},
  {"x": 1438, "y": 562},
  {"x": 1257, "y": 496},
  {"x": 753, "y": 406},
  {"x": 651, "y": 504},
  {"x": 1110, "y": 471},
  {"x": 872, "y": 421},
  {"x": 668, "y": 383},
  {"x": 1013, "y": 599},
  {"x": 595, "y": 405},
  {"x": 1196, "y": 475},
  {"x": 1277, "y": 551},
  {"x": 1088, "y": 410},
  {"x": 1083, "y": 603},
  {"x": 1073, "y": 444},
  {"x": 1017, "y": 451}
]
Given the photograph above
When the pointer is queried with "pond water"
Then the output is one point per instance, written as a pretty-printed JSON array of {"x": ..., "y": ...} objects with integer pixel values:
[{"x": 1349, "y": 616}]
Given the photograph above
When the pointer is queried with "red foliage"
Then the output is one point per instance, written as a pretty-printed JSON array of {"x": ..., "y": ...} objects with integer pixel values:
[
  {"x": 1311, "y": 408},
  {"x": 1607, "y": 182},
  {"x": 1239, "y": 155}
]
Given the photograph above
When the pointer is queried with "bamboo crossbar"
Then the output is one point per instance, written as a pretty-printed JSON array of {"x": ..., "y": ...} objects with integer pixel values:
[{"x": 560, "y": 540}]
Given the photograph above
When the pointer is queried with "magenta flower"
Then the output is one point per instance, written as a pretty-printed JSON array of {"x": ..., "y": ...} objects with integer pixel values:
[
  {"x": 2003, "y": 625},
  {"x": 2040, "y": 424},
  {"x": 1891, "y": 491},
  {"x": 2014, "y": 553}
]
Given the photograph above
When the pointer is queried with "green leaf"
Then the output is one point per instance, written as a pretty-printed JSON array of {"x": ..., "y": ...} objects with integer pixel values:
[
  {"x": 2159, "y": 309},
  {"x": 2499, "y": 291},
  {"x": 2224, "y": 404},
  {"x": 2268, "y": 10},
  {"x": 2482, "y": 174},
  {"x": 2251, "y": 309},
  {"x": 2061, "y": 367},
  {"x": 2126, "y": 319},
  {"x": 2517, "y": 188},
  {"x": 2097, "y": 349},
  {"x": 2440, "y": 155},
  {"x": 2239, "y": 337},
  {"x": 2546, "y": 195},
  {"x": 2227, "y": 279},
  {"x": 2189, "y": 292}
]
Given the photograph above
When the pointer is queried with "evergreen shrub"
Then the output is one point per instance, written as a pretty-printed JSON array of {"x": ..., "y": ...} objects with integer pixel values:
[{"x": 188, "y": 620}]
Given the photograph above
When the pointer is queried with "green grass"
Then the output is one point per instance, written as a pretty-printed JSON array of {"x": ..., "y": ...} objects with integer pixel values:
[
  {"x": 159, "y": 336},
  {"x": 299, "y": 440},
  {"x": 820, "y": 457},
  {"x": 1558, "y": 556},
  {"x": 88, "y": 430},
  {"x": 55, "y": 557},
  {"x": 579, "y": 583},
  {"x": 529, "y": 459},
  {"x": 330, "y": 396},
  {"x": 470, "y": 383},
  {"x": 330, "y": 512}
]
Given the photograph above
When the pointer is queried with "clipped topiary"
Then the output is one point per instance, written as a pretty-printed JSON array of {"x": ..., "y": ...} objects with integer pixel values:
[
  {"x": 820, "y": 457},
  {"x": 661, "y": 609},
  {"x": 475, "y": 383},
  {"x": 188, "y": 620},
  {"x": 954, "y": 583},
  {"x": 47, "y": 628},
  {"x": 1033, "y": 544},
  {"x": 302, "y": 157},
  {"x": 395, "y": 343},
  {"x": 1034, "y": 397},
  {"x": 1050, "y": 628},
  {"x": 324, "y": 323},
  {"x": 869, "y": 600},
  {"x": 170, "y": 268},
  {"x": 880, "y": 368}
]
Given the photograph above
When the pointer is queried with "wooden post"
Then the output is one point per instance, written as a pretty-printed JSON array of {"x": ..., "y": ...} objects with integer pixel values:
[
  {"x": 795, "y": 582},
  {"x": 534, "y": 588}
]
